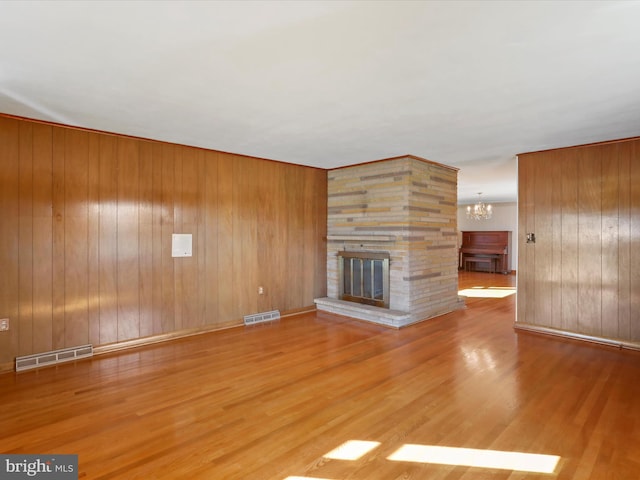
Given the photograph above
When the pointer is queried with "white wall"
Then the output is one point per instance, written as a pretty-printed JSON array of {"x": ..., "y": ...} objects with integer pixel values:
[{"x": 505, "y": 217}]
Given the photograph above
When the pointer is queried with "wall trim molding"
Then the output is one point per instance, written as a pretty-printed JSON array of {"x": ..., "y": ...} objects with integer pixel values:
[
  {"x": 7, "y": 367},
  {"x": 151, "y": 340},
  {"x": 620, "y": 344},
  {"x": 165, "y": 337}
]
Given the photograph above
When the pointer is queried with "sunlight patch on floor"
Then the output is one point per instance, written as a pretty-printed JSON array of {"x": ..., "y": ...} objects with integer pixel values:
[
  {"x": 455, "y": 456},
  {"x": 470, "y": 457},
  {"x": 352, "y": 450},
  {"x": 487, "y": 292}
]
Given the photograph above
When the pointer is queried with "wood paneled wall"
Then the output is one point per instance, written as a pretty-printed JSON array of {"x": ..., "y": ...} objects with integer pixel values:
[
  {"x": 582, "y": 274},
  {"x": 85, "y": 237}
]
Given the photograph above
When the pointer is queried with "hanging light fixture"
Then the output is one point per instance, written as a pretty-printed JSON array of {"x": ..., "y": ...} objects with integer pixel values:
[{"x": 479, "y": 211}]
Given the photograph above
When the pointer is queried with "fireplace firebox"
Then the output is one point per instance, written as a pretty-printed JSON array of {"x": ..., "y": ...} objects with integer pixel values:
[{"x": 364, "y": 277}]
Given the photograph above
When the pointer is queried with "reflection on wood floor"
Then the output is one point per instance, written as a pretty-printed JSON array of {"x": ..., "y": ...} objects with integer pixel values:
[{"x": 270, "y": 401}]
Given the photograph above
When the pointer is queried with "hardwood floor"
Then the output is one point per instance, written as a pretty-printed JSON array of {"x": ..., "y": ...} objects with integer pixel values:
[{"x": 269, "y": 401}]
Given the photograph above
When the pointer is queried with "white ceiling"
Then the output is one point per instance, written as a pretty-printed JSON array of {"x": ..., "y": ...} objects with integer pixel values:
[{"x": 333, "y": 83}]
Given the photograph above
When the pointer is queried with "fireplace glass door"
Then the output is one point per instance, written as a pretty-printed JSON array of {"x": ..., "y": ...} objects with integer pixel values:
[{"x": 364, "y": 277}]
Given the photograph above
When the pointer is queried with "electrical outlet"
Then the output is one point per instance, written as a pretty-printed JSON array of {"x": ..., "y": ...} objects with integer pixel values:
[
  {"x": 4, "y": 324},
  {"x": 260, "y": 291}
]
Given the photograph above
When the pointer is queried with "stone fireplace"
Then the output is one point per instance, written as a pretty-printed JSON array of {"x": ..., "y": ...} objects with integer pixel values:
[{"x": 404, "y": 208}]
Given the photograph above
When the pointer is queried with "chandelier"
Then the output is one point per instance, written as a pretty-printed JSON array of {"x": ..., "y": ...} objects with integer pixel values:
[{"x": 479, "y": 211}]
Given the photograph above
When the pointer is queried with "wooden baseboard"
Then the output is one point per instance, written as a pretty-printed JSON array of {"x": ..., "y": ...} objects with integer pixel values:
[
  {"x": 7, "y": 367},
  {"x": 165, "y": 337},
  {"x": 298, "y": 311},
  {"x": 577, "y": 336}
]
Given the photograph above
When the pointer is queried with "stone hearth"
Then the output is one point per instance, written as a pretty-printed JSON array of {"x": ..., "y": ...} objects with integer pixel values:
[{"x": 383, "y": 316}]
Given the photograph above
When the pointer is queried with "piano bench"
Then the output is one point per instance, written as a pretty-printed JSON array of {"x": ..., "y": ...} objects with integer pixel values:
[{"x": 475, "y": 260}]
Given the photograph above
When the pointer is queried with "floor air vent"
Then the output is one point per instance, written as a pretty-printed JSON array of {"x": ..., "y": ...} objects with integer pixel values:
[
  {"x": 261, "y": 317},
  {"x": 51, "y": 358}
]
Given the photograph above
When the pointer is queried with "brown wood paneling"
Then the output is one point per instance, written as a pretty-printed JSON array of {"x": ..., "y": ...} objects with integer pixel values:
[
  {"x": 145, "y": 236},
  {"x": 200, "y": 241},
  {"x": 25, "y": 285},
  {"x": 268, "y": 275},
  {"x": 86, "y": 237},
  {"x": 167, "y": 273},
  {"x": 320, "y": 228},
  {"x": 634, "y": 241},
  {"x": 226, "y": 235},
  {"x": 610, "y": 202},
  {"x": 157, "y": 208},
  {"x": 211, "y": 219},
  {"x": 569, "y": 248},
  {"x": 595, "y": 213},
  {"x": 76, "y": 211},
  {"x": 589, "y": 242},
  {"x": 58, "y": 238},
  {"x": 128, "y": 259},
  {"x": 526, "y": 251},
  {"x": 625, "y": 155},
  {"x": 543, "y": 228},
  {"x": 93, "y": 238},
  {"x": 295, "y": 212},
  {"x": 245, "y": 225},
  {"x": 555, "y": 295},
  {"x": 266, "y": 232},
  {"x": 108, "y": 247},
  {"x": 187, "y": 288},
  {"x": 9, "y": 235},
  {"x": 282, "y": 232},
  {"x": 42, "y": 168},
  {"x": 42, "y": 245},
  {"x": 178, "y": 263},
  {"x": 308, "y": 235}
]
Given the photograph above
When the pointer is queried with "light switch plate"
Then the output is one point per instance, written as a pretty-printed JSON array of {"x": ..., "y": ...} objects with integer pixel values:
[{"x": 4, "y": 324}]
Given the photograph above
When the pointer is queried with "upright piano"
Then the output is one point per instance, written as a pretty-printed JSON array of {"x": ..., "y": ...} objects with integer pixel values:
[{"x": 485, "y": 251}]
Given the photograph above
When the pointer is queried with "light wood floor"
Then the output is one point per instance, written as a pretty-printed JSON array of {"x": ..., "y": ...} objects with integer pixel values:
[{"x": 269, "y": 401}]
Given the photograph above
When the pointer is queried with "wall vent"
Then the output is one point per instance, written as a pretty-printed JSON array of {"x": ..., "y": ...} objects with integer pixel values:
[
  {"x": 51, "y": 358},
  {"x": 261, "y": 317}
]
